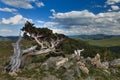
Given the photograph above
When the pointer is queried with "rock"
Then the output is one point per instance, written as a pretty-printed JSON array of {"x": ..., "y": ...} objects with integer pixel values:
[
  {"x": 108, "y": 72},
  {"x": 50, "y": 77},
  {"x": 114, "y": 71},
  {"x": 12, "y": 73},
  {"x": 50, "y": 63},
  {"x": 23, "y": 78},
  {"x": 18, "y": 70},
  {"x": 77, "y": 71},
  {"x": 89, "y": 78},
  {"x": 54, "y": 62},
  {"x": 96, "y": 61},
  {"x": 44, "y": 66},
  {"x": 31, "y": 66},
  {"x": 71, "y": 71},
  {"x": 61, "y": 62},
  {"x": 115, "y": 63},
  {"x": 88, "y": 60},
  {"x": 105, "y": 65},
  {"x": 68, "y": 76},
  {"x": 67, "y": 65},
  {"x": 72, "y": 56},
  {"x": 83, "y": 67}
]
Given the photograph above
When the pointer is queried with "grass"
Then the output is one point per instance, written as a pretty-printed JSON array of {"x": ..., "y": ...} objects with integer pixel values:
[{"x": 115, "y": 41}]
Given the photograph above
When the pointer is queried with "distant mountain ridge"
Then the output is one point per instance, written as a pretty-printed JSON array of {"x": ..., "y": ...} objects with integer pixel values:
[
  {"x": 6, "y": 38},
  {"x": 94, "y": 37}
]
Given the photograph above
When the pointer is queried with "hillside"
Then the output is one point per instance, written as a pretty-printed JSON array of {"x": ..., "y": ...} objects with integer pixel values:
[
  {"x": 94, "y": 37},
  {"x": 36, "y": 70},
  {"x": 115, "y": 41},
  {"x": 7, "y": 38},
  {"x": 113, "y": 44},
  {"x": 4, "y": 39}
]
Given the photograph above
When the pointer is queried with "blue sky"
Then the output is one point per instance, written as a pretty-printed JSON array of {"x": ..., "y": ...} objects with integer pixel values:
[{"x": 70, "y": 17}]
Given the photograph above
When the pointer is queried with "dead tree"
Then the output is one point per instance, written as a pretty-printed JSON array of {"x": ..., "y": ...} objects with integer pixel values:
[{"x": 43, "y": 39}]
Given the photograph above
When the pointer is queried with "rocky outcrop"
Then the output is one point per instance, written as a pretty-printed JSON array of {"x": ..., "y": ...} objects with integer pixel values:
[
  {"x": 96, "y": 61},
  {"x": 71, "y": 68},
  {"x": 69, "y": 76},
  {"x": 23, "y": 78},
  {"x": 50, "y": 77},
  {"x": 61, "y": 62},
  {"x": 90, "y": 78},
  {"x": 105, "y": 65},
  {"x": 54, "y": 62},
  {"x": 115, "y": 63},
  {"x": 83, "y": 67}
]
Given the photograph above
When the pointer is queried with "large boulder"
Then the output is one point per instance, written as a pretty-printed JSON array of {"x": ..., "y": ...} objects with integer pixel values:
[
  {"x": 54, "y": 62},
  {"x": 61, "y": 61}
]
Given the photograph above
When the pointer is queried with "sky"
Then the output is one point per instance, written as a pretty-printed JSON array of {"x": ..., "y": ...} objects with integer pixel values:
[{"x": 69, "y": 17}]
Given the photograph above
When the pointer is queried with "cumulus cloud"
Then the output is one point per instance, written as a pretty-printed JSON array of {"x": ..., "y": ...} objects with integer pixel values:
[
  {"x": 15, "y": 20},
  {"x": 109, "y": 10},
  {"x": 115, "y": 7},
  {"x": 50, "y": 24},
  {"x": 40, "y": 4},
  {"x": 52, "y": 10},
  {"x": 110, "y": 2},
  {"x": 8, "y": 10},
  {"x": 85, "y": 22},
  {"x": 5, "y": 30},
  {"x": 26, "y": 4}
]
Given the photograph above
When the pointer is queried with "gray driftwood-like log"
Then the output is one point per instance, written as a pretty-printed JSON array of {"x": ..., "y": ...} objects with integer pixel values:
[{"x": 17, "y": 60}]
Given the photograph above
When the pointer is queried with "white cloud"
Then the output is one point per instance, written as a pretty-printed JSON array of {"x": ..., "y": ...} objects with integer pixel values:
[
  {"x": 110, "y": 2},
  {"x": 26, "y": 4},
  {"x": 109, "y": 10},
  {"x": 53, "y": 11},
  {"x": 50, "y": 24},
  {"x": 85, "y": 22},
  {"x": 8, "y": 9},
  {"x": 40, "y": 21},
  {"x": 40, "y": 4},
  {"x": 115, "y": 7},
  {"x": 74, "y": 14},
  {"x": 61, "y": 31},
  {"x": 15, "y": 20},
  {"x": 5, "y": 31}
]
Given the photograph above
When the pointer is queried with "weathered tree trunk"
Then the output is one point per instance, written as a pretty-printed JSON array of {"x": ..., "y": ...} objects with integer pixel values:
[{"x": 15, "y": 61}]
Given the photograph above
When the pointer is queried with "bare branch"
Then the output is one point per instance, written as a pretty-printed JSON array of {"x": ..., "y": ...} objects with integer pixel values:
[{"x": 29, "y": 49}]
